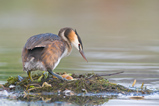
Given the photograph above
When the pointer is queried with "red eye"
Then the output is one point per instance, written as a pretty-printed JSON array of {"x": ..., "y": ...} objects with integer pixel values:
[{"x": 79, "y": 46}]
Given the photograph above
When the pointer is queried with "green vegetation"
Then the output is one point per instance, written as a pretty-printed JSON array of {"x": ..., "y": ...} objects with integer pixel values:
[{"x": 81, "y": 83}]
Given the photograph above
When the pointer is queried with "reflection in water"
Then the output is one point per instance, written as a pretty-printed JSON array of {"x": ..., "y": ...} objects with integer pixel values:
[
  {"x": 66, "y": 101},
  {"x": 69, "y": 100},
  {"x": 117, "y": 35}
]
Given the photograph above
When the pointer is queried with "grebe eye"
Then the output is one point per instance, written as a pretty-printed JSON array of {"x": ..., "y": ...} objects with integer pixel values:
[{"x": 79, "y": 46}]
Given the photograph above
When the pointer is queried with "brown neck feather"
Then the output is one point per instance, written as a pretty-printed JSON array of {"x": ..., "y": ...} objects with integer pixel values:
[{"x": 62, "y": 34}]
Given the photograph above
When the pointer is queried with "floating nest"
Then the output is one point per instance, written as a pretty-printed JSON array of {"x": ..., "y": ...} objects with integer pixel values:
[
  {"x": 78, "y": 89},
  {"x": 91, "y": 83}
]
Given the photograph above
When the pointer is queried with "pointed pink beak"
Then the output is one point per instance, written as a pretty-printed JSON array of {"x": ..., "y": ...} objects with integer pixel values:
[{"x": 82, "y": 53}]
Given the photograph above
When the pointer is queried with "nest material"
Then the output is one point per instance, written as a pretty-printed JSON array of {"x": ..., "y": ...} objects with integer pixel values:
[{"x": 83, "y": 83}]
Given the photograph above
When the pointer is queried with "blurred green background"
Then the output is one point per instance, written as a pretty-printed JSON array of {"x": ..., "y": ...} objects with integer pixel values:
[{"x": 115, "y": 33}]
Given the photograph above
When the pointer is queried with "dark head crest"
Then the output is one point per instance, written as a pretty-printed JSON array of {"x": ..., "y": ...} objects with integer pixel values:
[{"x": 79, "y": 39}]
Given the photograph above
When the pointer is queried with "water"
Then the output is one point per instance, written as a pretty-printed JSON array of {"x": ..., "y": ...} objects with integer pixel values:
[{"x": 117, "y": 36}]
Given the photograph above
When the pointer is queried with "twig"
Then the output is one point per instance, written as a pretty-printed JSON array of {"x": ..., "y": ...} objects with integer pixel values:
[
  {"x": 3, "y": 87},
  {"x": 111, "y": 74}
]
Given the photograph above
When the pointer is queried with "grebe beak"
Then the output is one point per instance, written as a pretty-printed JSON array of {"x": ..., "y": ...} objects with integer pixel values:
[{"x": 82, "y": 53}]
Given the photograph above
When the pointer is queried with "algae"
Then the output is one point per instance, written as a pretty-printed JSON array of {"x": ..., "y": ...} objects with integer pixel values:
[
  {"x": 84, "y": 89},
  {"x": 84, "y": 83}
]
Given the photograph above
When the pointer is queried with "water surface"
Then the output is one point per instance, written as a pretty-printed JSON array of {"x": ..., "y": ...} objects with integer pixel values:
[{"x": 117, "y": 36}]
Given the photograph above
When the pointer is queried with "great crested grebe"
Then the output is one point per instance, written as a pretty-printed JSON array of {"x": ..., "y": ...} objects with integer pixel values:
[{"x": 44, "y": 51}]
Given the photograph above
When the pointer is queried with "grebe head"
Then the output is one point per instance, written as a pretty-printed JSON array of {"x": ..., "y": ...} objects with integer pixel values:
[{"x": 71, "y": 36}]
